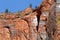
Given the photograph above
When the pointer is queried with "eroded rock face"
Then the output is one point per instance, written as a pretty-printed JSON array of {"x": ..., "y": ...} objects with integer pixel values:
[
  {"x": 4, "y": 34},
  {"x": 30, "y": 24},
  {"x": 13, "y": 30},
  {"x": 33, "y": 23},
  {"x": 20, "y": 28}
]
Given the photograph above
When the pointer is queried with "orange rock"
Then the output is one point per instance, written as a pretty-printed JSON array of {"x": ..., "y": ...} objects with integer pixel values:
[
  {"x": 4, "y": 34},
  {"x": 30, "y": 24},
  {"x": 22, "y": 26}
]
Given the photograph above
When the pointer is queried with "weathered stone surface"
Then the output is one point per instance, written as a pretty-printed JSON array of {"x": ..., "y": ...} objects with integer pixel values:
[
  {"x": 30, "y": 24},
  {"x": 22, "y": 29},
  {"x": 4, "y": 34}
]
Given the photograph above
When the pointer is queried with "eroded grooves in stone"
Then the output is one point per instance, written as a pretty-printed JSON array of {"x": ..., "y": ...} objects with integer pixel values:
[{"x": 30, "y": 24}]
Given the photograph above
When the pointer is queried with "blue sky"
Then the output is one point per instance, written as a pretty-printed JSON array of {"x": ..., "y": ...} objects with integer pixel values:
[{"x": 17, "y": 5}]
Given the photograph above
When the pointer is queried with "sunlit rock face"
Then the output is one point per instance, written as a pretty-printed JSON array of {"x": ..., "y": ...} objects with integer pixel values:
[
  {"x": 30, "y": 24},
  {"x": 19, "y": 28}
]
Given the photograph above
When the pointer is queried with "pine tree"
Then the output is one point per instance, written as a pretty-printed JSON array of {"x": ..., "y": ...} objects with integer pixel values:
[{"x": 6, "y": 10}]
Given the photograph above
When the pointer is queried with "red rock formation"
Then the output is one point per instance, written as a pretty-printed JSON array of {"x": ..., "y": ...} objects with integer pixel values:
[{"x": 30, "y": 24}]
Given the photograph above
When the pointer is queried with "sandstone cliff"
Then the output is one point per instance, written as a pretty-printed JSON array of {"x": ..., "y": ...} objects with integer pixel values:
[{"x": 30, "y": 24}]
